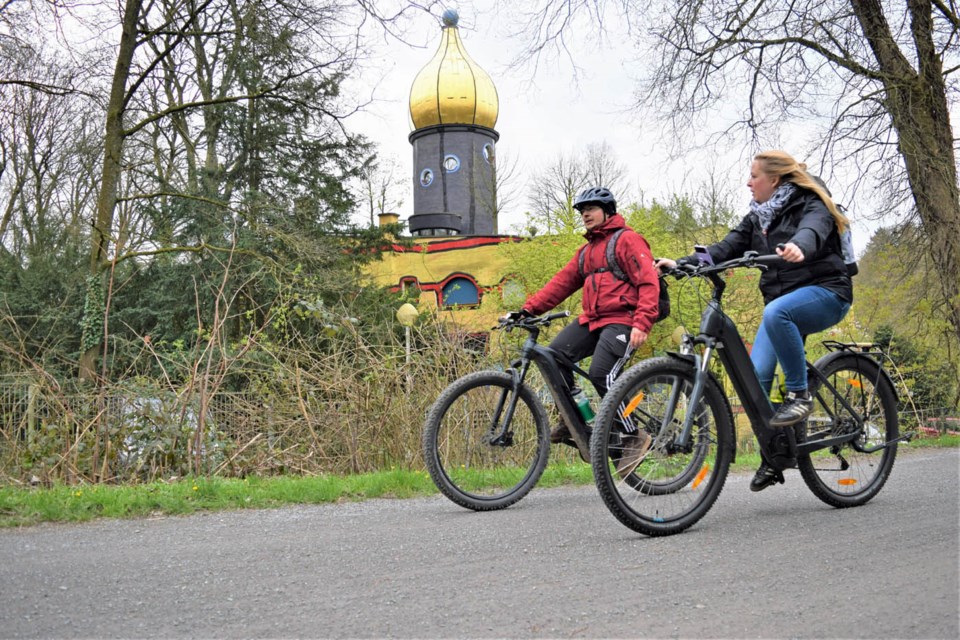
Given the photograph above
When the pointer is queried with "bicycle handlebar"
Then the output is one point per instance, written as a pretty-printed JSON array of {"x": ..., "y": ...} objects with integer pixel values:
[
  {"x": 531, "y": 322},
  {"x": 750, "y": 260},
  {"x": 712, "y": 272}
]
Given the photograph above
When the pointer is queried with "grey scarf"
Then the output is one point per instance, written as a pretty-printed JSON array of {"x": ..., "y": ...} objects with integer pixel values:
[{"x": 770, "y": 210}]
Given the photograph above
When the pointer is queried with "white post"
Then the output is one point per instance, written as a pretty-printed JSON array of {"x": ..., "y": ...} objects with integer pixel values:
[{"x": 407, "y": 316}]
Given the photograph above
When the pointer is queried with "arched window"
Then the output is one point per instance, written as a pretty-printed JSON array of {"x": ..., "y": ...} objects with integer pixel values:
[
  {"x": 460, "y": 291},
  {"x": 409, "y": 286}
]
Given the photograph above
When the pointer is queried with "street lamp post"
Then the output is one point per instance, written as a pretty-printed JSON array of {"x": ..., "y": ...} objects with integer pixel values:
[{"x": 407, "y": 316}]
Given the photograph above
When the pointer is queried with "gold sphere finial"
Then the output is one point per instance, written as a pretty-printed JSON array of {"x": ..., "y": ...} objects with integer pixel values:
[{"x": 407, "y": 314}]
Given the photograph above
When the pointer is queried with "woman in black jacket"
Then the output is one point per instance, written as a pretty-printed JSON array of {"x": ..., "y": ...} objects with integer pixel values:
[{"x": 810, "y": 292}]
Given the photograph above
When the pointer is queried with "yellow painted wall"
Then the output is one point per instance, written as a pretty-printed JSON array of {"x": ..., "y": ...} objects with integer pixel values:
[{"x": 432, "y": 268}]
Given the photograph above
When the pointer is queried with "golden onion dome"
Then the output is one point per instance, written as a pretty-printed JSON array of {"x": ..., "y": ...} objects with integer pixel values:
[{"x": 451, "y": 88}]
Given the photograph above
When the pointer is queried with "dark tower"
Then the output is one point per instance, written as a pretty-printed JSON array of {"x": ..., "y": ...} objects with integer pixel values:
[{"x": 453, "y": 106}]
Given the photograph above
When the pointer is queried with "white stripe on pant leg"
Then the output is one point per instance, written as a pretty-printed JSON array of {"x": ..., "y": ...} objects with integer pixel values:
[{"x": 627, "y": 421}]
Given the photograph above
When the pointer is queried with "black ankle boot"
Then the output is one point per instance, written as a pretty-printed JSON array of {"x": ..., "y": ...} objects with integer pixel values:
[{"x": 561, "y": 435}]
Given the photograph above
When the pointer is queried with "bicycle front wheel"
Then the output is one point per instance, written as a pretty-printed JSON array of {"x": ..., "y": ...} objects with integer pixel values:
[
  {"x": 478, "y": 456},
  {"x": 849, "y": 475},
  {"x": 673, "y": 483}
]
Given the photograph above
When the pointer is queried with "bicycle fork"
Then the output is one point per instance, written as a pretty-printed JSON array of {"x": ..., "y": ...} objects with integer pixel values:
[
  {"x": 701, "y": 374},
  {"x": 499, "y": 434}
]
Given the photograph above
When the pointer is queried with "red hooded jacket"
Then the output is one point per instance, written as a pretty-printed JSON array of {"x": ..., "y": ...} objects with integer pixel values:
[{"x": 607, "y": 300}]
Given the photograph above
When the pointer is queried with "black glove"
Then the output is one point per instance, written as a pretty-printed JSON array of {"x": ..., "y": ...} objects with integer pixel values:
[
  {"x": 513, "y": 316},
  {"x": 692, "y": 261}
]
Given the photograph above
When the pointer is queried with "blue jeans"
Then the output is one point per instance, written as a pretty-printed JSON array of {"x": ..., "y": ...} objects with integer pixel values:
[{"x": 780, "y": 337}]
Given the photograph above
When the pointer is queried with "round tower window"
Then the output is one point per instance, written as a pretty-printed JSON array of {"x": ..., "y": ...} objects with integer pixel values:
[
  {"x": 426, "y": 178},
  {"x": 451, "y": 163},
  {"x": 488, "y": 153}
]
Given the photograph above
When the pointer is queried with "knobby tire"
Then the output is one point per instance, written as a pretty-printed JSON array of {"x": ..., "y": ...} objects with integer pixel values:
[
  {"x": 457, "y": 437},
  {"x": 672, "y": 488}
]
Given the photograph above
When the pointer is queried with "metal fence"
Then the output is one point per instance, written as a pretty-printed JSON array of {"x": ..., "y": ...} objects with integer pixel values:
[
  {"x": 25, "y": 408},
  {"x": 147, "y": 432}
]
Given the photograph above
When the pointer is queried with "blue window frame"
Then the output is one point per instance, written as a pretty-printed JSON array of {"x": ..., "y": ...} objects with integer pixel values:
[
  {"x": 460, "y": 291},
  {"x": 451, "y": 163}
]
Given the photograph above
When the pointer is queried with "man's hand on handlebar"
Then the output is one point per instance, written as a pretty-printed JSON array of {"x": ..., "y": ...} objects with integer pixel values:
[
  {"x": 665, "y": 265},
  {"x": 675, "y": 267},
  {"x": 513, "y": 316}
]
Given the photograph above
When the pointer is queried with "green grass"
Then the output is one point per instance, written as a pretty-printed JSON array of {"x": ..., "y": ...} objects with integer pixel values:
[
  {"x": 22, "y": 507},
  {"x": 29, "y": 506}
]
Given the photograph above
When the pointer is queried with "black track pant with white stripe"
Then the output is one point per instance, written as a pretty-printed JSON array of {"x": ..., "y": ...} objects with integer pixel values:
[{"x": 607, "y": 345}]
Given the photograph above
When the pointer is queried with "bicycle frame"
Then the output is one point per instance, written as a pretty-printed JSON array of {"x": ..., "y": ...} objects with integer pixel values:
[
  {"x": 718, "y": 334},
  {"x": 549, "y": 364},
  {"x": 840, "y": 349}
]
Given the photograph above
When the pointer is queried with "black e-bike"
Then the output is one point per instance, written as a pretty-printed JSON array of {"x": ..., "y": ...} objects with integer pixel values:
[
  {"x": 486, "y": 439},
  {"x": 844, "y": 451}
]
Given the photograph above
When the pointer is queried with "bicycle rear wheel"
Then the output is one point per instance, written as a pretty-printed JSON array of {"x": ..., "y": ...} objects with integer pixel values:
[
  {"x": 673, "y": 486},
  {"x": 849, "y": 475},
  {"x": 471, "y": 456}
]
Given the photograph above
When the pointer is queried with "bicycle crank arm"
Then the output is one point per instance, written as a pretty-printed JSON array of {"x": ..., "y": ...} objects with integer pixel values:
[{"x": 904, "y": 438}]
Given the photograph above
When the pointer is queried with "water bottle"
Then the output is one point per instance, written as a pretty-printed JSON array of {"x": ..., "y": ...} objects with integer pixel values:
[{"x": 583, "y": 405}]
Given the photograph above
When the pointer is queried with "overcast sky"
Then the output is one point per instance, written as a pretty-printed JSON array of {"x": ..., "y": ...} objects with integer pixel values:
[
  {"x": 550, "y": 110},
  {"x": 544, "y": 112}
]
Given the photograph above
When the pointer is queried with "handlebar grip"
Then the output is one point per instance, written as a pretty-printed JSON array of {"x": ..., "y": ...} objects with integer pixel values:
[
  {"x": 681, "y": 270},
  {"x": 557, "y": 315},
  {"x": 770, "y": 258}
]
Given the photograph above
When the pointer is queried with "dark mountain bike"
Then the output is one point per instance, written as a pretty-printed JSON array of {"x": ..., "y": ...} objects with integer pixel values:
[
  {"x": 845, "y": 450},
  {"x": 486, "y": 439}
]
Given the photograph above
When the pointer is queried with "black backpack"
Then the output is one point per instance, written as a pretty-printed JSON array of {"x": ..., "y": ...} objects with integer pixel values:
[{"x": 663, "y": 302}]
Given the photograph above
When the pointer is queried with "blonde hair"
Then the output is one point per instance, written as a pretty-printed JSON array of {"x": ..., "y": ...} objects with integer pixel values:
[{"x": 782, "y": 165}]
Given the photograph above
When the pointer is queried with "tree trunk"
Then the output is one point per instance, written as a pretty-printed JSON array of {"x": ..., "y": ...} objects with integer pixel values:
[
  {"x": 917, "y": 103},
  {"x": 110, "y": 179}
]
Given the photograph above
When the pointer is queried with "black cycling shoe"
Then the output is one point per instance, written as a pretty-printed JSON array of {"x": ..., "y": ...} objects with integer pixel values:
[
  {"x": 795, "y": 408},
  {"x": 765, "y": 476}
]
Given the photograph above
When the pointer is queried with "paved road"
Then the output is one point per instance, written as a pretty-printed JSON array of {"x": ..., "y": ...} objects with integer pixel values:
[{"x": 774, "y": 564}]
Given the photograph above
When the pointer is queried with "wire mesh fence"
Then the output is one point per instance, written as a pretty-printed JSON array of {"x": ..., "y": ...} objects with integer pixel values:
[
  {"x": 333, "y": 420},
  {"x": 149, "y": 433}
]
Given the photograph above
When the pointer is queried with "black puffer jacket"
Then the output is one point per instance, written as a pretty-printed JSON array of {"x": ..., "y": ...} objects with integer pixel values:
[{"x": 806, "y": 222}]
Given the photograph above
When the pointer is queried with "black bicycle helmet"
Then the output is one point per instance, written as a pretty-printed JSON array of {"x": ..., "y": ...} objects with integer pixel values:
[{"x": 596, "y": 195}]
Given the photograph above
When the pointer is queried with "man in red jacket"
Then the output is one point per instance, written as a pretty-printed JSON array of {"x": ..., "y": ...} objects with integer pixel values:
[{"x": 616, "y": 312}]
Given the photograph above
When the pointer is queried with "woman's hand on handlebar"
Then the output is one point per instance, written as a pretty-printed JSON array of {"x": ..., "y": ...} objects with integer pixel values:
[{"x": 790, "y": 252}]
